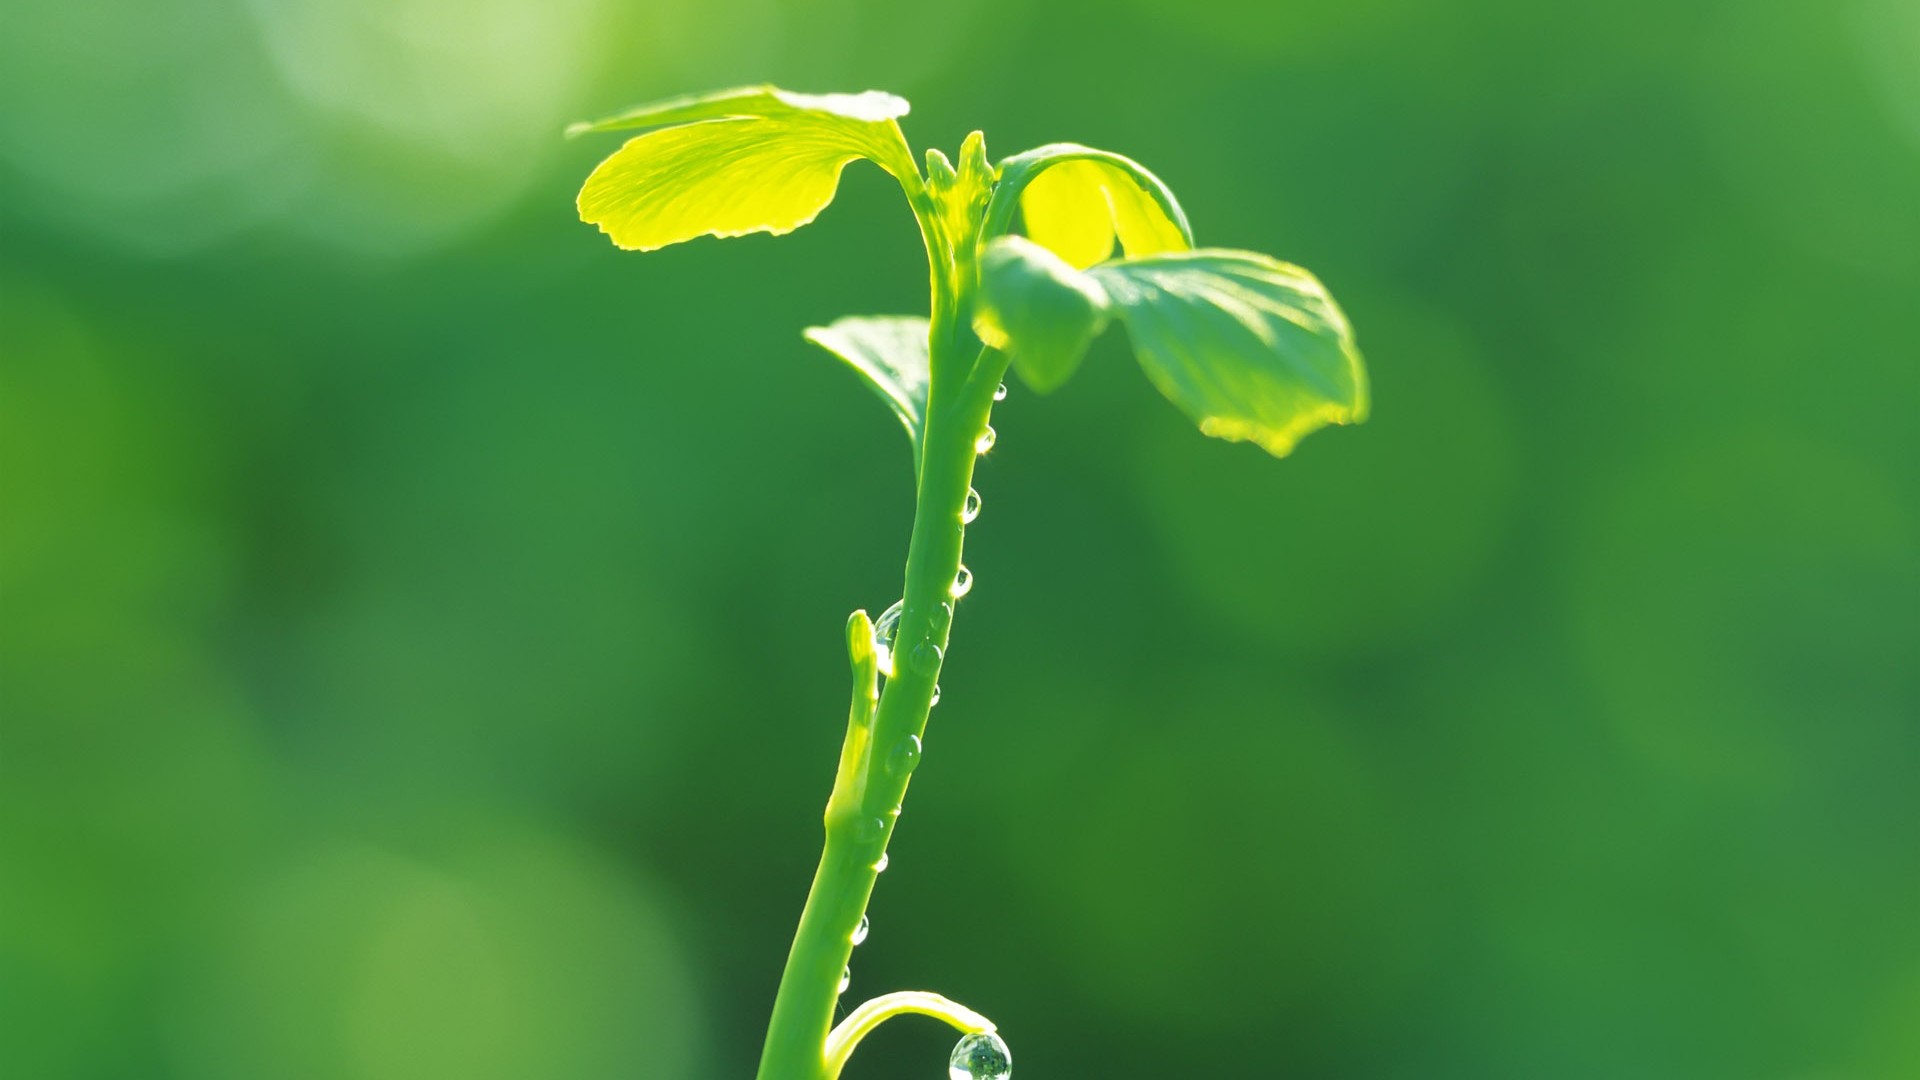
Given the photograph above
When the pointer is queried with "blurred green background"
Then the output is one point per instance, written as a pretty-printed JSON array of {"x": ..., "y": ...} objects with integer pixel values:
[{"x": 420, "y": 624}]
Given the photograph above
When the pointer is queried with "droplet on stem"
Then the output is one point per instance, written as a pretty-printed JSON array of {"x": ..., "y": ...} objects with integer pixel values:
[
  {"x": 972, "y": 509},
  {"x": 984, "y": 443},
  {"x": 982, "y": 1055},
  {"x": 925, "y": 658},
  {"x": 904, "y": 756},
  {"x": 860, "y": 932},
  {"x": 962, "y": 583},
  {"x": 846, "y": 980},
  {"x": 880, "y": 865},
  {"x": 1000, "y": 392}
]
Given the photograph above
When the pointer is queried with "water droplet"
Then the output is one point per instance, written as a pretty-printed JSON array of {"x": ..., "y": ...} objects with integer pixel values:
[
  {"x": 860, "y": 932},
  {"x": 972, "y": 509},
  {"x": 980, "y": 1056},
  {"x": 885, "y": 628},
  {"x": 904, "y": 755},
  {"x": 936, "y": 696},
  {"x": 1000, "y": 392},
  {"x": 962, "y": 583},
  {"x": 925, "y": 658},
  {"x": 846, "y": 980},
  {"x": 880, "y": 866},
  {"x": 984, "y": 443},
  {"x": 872, "y": 829}
]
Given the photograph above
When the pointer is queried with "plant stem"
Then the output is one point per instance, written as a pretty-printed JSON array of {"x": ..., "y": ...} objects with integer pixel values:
[{"x": 866, "y": 799}]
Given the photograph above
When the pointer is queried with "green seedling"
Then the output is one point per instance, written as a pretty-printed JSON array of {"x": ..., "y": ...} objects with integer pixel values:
[{"x": 1249, "y": 347}]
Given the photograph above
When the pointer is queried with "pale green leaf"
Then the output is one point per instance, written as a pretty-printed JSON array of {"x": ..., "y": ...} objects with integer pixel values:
[
  {"x": 738, "y": 162},
  {"x": 890, "y": 353},
  {"x": 1040, "y": 311},
  {"x": 1250, "y": 347},
  {"x": 1076, "y": 201}
]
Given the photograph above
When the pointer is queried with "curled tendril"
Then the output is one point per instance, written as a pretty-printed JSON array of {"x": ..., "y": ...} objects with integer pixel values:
[{"x": 872, "y": 1014}]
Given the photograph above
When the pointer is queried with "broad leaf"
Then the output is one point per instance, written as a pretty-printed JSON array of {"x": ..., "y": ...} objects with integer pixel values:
[
  {"x": 890, "y": 352},
  {"x": 1076, "y": 201},
  {"x": 1250, "y": 347},
  {"x": 741, "y": 161},
  {"x": 1039, "y": 310}
]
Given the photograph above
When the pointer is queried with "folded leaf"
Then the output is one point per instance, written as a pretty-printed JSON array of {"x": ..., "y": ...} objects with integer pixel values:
[
  {"x": 1250, "y": 347},
  {"x": 1037, "y": 309},
  {"x": 741, "y": 161},
  {"x": 1076, "y": 201},
  {"x": 890, "y": 352}
]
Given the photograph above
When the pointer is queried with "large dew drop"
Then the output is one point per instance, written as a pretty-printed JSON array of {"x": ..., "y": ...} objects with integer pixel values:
[
  {"x": 904, "y": 755},
  {"x": 980, "y": 1056},
  {"x": 885, "y": 628},
  {"x": 962, "y": 583}
]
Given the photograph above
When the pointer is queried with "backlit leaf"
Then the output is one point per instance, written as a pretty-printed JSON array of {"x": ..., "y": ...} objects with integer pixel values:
[
  {"x": 1250, "y": 347},
  {"x": 1040, "y": 311},
  {"x": 890, "y": 352},
  {"x": 738, "y": 162},
  {"x": 1076, "y": 201}
]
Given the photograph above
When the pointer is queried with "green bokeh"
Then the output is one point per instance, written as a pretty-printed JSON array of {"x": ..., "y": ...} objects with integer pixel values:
[{"x": 420, "y": 624}]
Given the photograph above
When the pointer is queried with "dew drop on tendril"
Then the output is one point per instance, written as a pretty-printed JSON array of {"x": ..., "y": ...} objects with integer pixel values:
[
  {"x": 904, "y": 756},
  {"x": 936, "y": 696},
  {"x": 885, "y": 628},
  {"x": 860, "y": 932},
  {"x": 1000, "y": 392},
  {"x": 972, "y": 509},
  {"x": 984, "y": 443},
  {"x": 962, "y": 583},
  {"x": 880, "y": 865},
  {"x": 980, "y": 1056},
  {"x": 846, "y": 979}
]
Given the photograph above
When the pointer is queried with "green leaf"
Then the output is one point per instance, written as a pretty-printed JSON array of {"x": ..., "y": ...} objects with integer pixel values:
[
  {"x": 1250, "y": 347},
  {"x": 1076, "y": 201},
  {"x": 1037, "y": 309},
  {"x": 890, "y": 352},
  {"x": 756, "y": 159}
]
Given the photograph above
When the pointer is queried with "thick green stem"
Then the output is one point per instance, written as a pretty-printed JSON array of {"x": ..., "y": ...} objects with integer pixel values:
[{"x": 878, "y": 761}]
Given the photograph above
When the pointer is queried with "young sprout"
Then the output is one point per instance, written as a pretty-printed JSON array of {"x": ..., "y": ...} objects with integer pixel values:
[{"x": 1250, "y": 347}]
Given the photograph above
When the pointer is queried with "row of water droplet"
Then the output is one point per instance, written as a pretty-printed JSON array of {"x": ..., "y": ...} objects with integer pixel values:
[{"x": 981, "y": 1055}]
